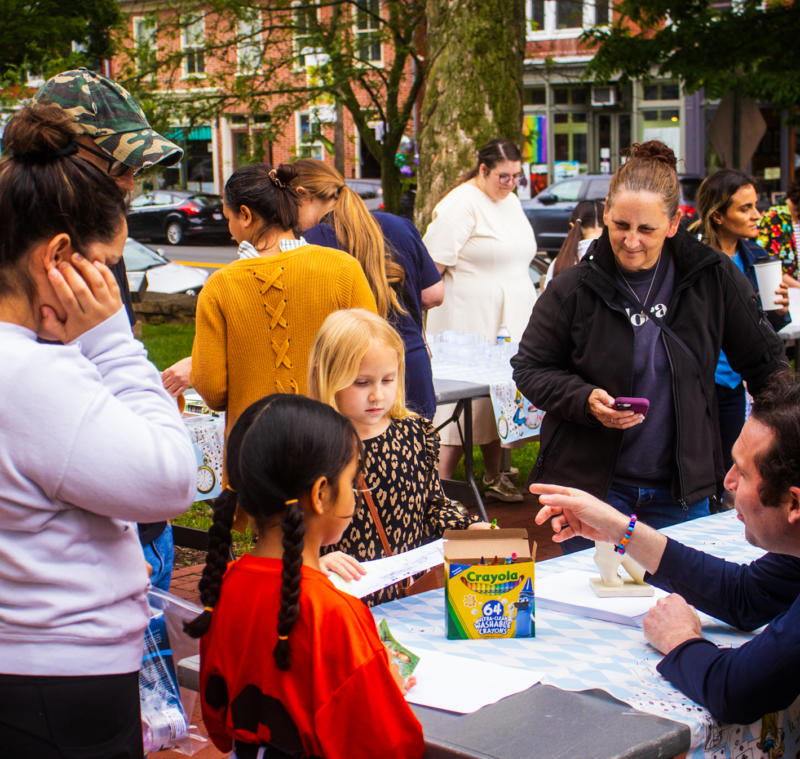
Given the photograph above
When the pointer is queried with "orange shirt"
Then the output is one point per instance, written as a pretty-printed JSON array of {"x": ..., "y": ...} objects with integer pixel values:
[{"x": 338, "y": 699}]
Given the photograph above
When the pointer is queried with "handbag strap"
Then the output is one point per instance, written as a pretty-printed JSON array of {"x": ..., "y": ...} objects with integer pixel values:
[
  {"x": 362, "y": 484},
  {"x": 664, "y": 328}
]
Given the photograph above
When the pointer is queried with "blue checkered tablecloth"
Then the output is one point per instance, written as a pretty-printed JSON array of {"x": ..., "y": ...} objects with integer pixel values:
[{"x": 577, "y": 653}]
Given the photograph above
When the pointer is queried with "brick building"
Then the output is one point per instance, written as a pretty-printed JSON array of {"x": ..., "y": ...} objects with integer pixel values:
[{"x": 569, "y": 127}]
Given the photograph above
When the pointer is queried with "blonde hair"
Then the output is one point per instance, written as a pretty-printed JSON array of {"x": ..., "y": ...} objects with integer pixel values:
[
  {"x": 356, "y": 230},
  {"x": 343, "y": 340}
]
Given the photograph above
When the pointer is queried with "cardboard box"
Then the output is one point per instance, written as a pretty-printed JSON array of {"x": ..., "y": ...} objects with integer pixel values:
[{"x": 488, "y": 600}]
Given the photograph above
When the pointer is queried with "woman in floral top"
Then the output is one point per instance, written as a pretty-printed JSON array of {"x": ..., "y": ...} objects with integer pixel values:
[{"x": 779, "y": 233}]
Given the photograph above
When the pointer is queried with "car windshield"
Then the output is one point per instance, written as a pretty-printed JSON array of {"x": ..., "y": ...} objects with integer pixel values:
[
  {"x": 206, "y": 200},
  {"x": 690, "y": 187},
  {"x": 139, "y": 257}
]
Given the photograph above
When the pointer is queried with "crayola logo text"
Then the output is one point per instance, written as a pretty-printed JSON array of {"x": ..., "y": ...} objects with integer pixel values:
[{"x": 505, "y": 577}]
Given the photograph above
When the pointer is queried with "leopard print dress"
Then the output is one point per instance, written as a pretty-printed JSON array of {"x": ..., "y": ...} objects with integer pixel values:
[{"x": 401, "y": 470}]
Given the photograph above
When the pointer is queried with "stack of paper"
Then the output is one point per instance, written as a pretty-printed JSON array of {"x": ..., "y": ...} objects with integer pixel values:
[{"x": 570, "y": 593}]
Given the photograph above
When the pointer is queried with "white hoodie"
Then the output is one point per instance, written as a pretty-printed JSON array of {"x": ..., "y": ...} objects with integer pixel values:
[{"x": 90, "y": 444}]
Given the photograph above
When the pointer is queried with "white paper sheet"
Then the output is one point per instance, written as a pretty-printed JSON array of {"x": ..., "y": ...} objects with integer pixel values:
[
  {"x": 384, "y": 572},
  {"x": 570, "y": 593},
  {"x": 458, "y": 684}
]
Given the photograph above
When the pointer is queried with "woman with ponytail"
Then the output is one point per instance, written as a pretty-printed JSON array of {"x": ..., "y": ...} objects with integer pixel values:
[
  {"x": 401, "y": 274},
  {"x": 283, "y": 653},
  {"x": 257, "y": 317},
  {"x": 585, "y": 226},
  {"x": 90, "y": 444}
]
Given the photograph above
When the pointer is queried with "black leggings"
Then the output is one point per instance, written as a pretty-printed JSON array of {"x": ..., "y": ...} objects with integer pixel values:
[
  {"x": 731, "y": 404},
  {"x": 92, "y": 717}
]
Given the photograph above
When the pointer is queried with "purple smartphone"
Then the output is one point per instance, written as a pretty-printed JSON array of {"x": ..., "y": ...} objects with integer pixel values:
[{"x": 637, "y": 405}]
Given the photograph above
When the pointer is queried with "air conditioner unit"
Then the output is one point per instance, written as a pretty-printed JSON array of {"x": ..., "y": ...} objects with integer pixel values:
[{"x": 606, "y": 95}]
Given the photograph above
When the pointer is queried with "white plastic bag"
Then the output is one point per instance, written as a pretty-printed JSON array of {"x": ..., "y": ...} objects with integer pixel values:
[{"x": 166, "y": 708}]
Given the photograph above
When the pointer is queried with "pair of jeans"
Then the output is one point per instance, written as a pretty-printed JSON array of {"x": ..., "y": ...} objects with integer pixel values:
[
  {"x": 653, "y": 506},
  {"x": 732, "y": 405},
  {"x": 160, "y": 554}
]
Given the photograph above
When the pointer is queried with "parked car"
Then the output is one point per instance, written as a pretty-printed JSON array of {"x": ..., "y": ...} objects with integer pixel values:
[
  {"x": 369, "y": 190},
  {"x": 163, "y": 276},
  {"x": 177, "y": 215},
  {"x": 550, "y": 210}
]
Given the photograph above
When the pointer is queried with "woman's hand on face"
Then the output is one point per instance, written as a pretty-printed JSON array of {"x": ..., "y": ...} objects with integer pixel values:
[
  {"x": 600, "y": 403},
  {"x": 782, "y": 298},
  {"x": 176, "y": 378},
  {"x": 345, "y": 566},
  {"x": 88, "y": 293}
]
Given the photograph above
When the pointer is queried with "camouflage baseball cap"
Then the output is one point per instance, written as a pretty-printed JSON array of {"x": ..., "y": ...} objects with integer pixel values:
[{"x": 108, "y": 114}]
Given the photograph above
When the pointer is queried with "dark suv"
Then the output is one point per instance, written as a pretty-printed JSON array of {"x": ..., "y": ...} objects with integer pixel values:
[
  {"x": 550, "y": 210},
  {"x": 176, "y": 215}
]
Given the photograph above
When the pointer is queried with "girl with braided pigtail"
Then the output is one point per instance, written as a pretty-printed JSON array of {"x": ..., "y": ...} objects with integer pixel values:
[{"x": 298, "y": 687}]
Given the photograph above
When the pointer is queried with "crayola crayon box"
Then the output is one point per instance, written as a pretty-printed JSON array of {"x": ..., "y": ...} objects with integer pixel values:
[{"x": 489, "y": 600}]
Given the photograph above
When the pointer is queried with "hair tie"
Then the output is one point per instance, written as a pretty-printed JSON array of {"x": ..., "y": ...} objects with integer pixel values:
[
  {"x": 208, "y": 608},
  {"x": 283, "y": 637},
  {"x": 273, "y": 175},
  {"x": 289, "y": 503},
  {"x": 51, "y": 155},
  {"x": 577, "y": 221},
  {"x": 228, "y": 487}
]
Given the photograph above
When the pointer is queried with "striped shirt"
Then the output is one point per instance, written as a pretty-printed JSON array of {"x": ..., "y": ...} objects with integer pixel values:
[{"x": 246, "y": 249}]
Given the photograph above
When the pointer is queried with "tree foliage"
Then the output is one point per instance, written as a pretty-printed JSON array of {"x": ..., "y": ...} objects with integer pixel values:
[
  {"x": 38, "y": 37},
  {"x": 744, "y": 46},
  {"x": 274, "y": 58}
]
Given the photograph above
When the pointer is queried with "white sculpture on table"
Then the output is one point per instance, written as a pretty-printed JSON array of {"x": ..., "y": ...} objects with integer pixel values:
[{"x": 609, "y": 583}]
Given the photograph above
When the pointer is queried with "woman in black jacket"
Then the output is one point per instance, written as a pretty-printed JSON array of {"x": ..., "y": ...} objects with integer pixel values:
[{"x": 645, "y": 315}]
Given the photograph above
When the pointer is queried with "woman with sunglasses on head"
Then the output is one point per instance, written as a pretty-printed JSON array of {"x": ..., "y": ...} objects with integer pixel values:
[{"x": 483, "y": 244}]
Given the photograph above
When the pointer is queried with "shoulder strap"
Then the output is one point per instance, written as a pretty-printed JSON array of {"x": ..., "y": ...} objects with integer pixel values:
[
  {"x": 664, "y": 328},
  {"x": 362, "y": 484}
]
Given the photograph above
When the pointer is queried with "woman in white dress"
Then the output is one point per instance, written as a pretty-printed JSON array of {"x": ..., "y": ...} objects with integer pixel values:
[{"x": 483, "y": 244}]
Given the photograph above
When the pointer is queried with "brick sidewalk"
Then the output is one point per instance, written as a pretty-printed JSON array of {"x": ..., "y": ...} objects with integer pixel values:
[{"x": 185, "y": 579}]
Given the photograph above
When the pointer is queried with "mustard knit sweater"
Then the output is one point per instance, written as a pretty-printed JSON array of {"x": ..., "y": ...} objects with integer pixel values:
[{"x": 257, "y": 319}]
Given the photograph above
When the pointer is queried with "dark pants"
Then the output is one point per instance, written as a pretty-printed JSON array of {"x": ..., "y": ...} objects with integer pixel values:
[
  {"x": 654, "y": 506},
  {"x": 92, "y": 717},
  {"x": 732, "y": 406}
]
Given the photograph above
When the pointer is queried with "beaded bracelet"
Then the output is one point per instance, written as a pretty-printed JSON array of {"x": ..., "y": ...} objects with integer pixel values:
[{"x": 620, "y": 549}]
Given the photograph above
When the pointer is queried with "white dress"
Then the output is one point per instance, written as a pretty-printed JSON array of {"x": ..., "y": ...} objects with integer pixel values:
[{"x": 487, "y": 246}]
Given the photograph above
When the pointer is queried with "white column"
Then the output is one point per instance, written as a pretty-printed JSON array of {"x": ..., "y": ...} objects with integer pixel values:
[{"x": 226, "y": 137}]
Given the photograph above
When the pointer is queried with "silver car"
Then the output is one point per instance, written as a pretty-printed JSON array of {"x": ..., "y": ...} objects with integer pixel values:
[{"x": 163, "y": 276}]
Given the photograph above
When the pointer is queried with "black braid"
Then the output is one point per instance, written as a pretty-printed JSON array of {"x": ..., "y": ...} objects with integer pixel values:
[
  {"x": 294, "y": 529},
  {"x": 219, "y": 546}
]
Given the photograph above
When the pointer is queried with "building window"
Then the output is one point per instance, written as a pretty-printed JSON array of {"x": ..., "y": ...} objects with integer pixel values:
[
  {"x": 144, "y": 39},
  {"x": 368, "y": 36},
  {"x": 535, "y": 96},
  {"x": 307, "y": 144},
  {"x": 565, "y": 18},
  {"x": 305, "y": 23},
  {"x": 248, "y": 51},
  {"x": 193, "y": 41},
  {"x": 661, "y": 91}
]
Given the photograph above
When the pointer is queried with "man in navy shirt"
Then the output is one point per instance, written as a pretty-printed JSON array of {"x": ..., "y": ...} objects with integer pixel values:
[{"x": 736, "y": 685}]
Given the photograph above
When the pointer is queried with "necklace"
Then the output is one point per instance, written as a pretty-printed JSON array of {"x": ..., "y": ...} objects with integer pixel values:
[{"x": 646, "y": 297}]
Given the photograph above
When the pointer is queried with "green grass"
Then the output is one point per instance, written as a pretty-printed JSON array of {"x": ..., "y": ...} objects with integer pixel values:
[
  {"x": 522, "y": 458},
  {"x": 167, "y": 343},
  {"x": 200, "y": 517}
]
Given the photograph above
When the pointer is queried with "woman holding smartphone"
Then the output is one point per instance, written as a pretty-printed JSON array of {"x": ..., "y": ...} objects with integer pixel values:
[{"x": 643, "y": 316}]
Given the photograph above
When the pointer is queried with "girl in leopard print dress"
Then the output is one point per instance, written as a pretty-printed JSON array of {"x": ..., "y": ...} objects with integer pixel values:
[{"x": 356, "y": 366}]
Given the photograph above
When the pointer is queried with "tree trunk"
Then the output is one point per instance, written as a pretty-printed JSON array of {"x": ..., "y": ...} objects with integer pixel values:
[
  {"x": 391, "y": 182},
  {"x": 476, "y": 50},
  {"x": 338, "y": 138}
]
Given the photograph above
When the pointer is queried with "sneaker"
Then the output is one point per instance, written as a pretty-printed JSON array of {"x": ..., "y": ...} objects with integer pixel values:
[
  {"x": 512, "y": 474},
  {"x": 503, "y": 489}
]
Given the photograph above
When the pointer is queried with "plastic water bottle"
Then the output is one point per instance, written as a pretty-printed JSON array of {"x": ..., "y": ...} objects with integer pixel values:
[{"x": 503, "y": 336}]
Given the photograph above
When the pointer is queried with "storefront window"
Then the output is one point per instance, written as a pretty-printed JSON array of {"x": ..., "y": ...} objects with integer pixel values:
[
  {"x": 534, "y": 151},
  {"x": 766, "y": 165},
  {"x": 569, "y": 14},
  {"x": 570, "y": 132},
  {"x": 664, "y": 126}
]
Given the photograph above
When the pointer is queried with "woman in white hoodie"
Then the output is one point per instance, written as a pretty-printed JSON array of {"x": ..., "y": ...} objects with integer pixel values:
[{"x": 90, "y": 444}]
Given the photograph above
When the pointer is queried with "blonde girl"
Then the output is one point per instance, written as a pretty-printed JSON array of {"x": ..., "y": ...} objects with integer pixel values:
[
  {"x": 356, "y": 366},
  {"x": 401, "y": 274}
]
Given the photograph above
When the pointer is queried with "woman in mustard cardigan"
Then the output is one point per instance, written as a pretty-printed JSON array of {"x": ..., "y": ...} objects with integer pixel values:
[{"x": 257, "y": 317}]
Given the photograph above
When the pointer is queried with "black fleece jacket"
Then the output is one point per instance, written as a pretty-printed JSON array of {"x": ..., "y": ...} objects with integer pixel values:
[{"x": 579, "y": 338}]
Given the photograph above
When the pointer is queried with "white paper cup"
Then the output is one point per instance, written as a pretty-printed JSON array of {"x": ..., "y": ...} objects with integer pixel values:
[{"x": 769, "y": 276}]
